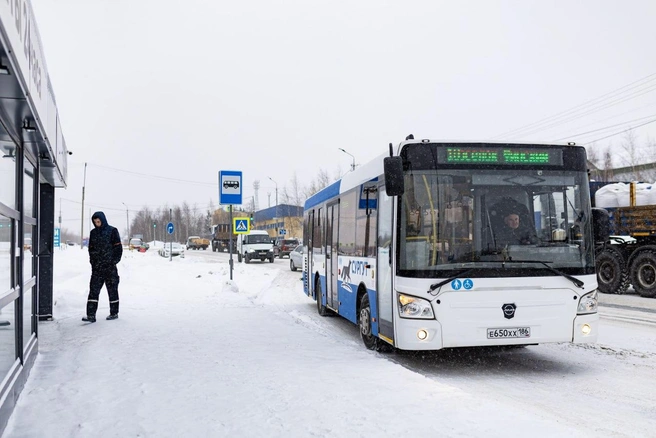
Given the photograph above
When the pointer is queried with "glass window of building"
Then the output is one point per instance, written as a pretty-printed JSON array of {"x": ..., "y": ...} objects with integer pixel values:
[
  {"x": 8, "y": 175},
  {"x": 5, "y": 254},
  {"x": 28, "y": 241},
  {"x": 7, "y": 338},
  {"x": 28, "y": 190},
  {"x": 28, "y": 325}
]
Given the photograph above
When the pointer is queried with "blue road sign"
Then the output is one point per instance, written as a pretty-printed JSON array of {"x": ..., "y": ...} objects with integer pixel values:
[
  {"x": 57, "y": 237},
  {"x": 170, "y": 228},
  {"x": 241, "y": 225},
  {"x": 230, "y": 185},
  {"x": 282, "y": 231}
]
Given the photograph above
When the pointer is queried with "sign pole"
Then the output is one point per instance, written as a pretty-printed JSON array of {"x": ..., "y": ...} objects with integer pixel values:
[{"x": 230, "y": 207}]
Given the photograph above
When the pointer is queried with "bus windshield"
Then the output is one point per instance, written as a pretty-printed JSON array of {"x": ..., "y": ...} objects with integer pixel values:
[{"x": 494, "y": 221}]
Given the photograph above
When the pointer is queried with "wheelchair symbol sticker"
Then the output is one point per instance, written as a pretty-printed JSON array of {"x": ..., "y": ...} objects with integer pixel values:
[
  {"x": 468, "y": 283},
  {"x": 456, "y": 284}
]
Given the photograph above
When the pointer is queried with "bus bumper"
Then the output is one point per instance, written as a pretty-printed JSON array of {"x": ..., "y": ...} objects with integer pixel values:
[{"x": 586, "y": 329}]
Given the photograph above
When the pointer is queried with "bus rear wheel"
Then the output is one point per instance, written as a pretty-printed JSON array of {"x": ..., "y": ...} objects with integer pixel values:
[
  {"x": 321, "y": 309},
  {"x": 370, "y": 341}
]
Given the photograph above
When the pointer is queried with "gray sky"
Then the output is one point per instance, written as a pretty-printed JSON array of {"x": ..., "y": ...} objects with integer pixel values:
[{"x": 149, "y": 90}]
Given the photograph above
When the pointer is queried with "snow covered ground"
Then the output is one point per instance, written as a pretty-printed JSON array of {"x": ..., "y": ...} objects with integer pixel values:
[{"x": 196, "y": 354}]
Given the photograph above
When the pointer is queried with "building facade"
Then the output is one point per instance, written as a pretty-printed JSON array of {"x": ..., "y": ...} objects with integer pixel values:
[
  {"x": 33, "y": 164},
  {"x": 280, "y": 221}
]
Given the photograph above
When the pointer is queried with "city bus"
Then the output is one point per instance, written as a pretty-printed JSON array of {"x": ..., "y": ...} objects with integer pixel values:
[{"x": 408, "y": 246}]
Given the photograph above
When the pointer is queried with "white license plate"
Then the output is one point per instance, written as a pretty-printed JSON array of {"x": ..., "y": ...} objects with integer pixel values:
[{"x": 515, "y": 332}]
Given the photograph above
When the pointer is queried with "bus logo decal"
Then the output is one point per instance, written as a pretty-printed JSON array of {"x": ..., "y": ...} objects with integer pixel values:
[
  {"x": 509, "y": 310},
  {"x": 346, "y": 272}
]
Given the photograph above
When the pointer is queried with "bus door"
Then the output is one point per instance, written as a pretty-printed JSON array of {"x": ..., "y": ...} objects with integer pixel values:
[
  {"x": 384, "y": 264},
  {"x": 332, "y": 215},
  {"x": 309, "y": 270}
]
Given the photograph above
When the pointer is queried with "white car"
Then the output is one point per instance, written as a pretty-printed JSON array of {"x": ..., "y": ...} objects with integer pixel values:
[
  {"x": 296, "y": 258},
  {"x": 174, "y": 249}
]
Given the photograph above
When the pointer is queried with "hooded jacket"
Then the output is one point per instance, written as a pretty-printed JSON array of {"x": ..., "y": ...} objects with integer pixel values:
[{"x": 105, "y": 248}]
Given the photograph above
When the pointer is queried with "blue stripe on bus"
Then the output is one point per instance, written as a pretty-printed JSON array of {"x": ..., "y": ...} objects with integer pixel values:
[{"x": 323, "y": 195}]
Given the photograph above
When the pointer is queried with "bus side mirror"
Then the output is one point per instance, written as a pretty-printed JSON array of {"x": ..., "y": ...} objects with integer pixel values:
[
  {"x": 600, "y": 225},
  {"x": 393, "y": 169}
]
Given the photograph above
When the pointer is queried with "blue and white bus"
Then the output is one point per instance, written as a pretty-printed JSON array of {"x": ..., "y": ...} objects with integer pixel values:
[{"x": 408, "y": 247}]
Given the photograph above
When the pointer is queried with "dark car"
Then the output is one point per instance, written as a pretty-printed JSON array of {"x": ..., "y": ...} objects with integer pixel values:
[{"x": 284, "y": 246}]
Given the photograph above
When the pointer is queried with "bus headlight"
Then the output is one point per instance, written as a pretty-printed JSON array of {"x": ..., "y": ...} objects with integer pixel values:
[
  {"x": 413, "y": 307},
  {"x": 588, "y": 303}
]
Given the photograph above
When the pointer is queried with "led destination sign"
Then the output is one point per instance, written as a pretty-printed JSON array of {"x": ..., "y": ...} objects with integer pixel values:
[{"x": 500, "y": 155}]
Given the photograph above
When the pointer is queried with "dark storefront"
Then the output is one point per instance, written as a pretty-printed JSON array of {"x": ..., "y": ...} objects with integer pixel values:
[{"x": 32, "y": 165}]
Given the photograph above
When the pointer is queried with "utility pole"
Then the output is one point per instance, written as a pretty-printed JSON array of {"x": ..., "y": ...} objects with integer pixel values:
[
  {"x": 127, "y": 221},
  {"x": 84, "y": 183}
]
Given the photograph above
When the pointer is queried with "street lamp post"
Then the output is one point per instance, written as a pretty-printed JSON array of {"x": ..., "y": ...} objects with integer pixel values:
[
  {"x": 127, "y": 221},
  {"x": 276, "y": 200},
  {"x": 353, "y": 163},
  {"x": 82, "y": 220}
]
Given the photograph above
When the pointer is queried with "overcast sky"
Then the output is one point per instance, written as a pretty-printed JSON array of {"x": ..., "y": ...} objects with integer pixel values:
[{"x": 157, "y": 97}]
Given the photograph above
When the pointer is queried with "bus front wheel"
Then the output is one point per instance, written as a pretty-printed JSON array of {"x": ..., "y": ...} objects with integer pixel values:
[{"x": 370, "y": 341}]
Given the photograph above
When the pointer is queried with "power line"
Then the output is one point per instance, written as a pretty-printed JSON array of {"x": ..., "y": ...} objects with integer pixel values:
[
  {"x": 620, "y": 132},
  {"x": 597, "y": 100},
  {"x": 164, "y": 178},
  {"x": 591, "y": 111},
  {"x": 606, "y": 128}
]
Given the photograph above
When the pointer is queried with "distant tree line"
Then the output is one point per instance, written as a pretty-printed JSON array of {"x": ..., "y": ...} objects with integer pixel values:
[{"x": 193, "y": 221}]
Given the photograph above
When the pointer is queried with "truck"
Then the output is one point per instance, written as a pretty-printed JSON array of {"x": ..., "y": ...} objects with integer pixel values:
[
  {"x": 255, "y": 245},
  {"x": 221, "y": 237},
  {"x": 197, "y": 242},
  {"x": 628, "y": 256}
]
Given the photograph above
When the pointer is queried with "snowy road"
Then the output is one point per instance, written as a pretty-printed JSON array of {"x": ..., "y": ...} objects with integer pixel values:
[{"x": 194, "y": 354}]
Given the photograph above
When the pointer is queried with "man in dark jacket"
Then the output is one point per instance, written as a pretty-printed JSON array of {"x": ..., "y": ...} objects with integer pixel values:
[
  {"x": 515, "y": 233},
  {"x": 105, "y": 251}
]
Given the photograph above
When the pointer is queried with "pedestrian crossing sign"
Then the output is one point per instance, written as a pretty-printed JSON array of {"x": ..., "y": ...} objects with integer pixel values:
[{"x": 241, "y": 225}]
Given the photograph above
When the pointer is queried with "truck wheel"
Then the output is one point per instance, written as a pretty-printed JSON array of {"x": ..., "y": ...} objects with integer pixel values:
[
  {"x": 612, "y": 277},
  {"x": 643, "y": 274},
  {"x": 246, "y": 259},
  {"x": 271, "y": 259},
  {"x": 239, "y": 258}
]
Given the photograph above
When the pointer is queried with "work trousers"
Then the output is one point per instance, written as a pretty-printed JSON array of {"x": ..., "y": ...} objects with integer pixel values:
[{"x": 99, "y": 277}]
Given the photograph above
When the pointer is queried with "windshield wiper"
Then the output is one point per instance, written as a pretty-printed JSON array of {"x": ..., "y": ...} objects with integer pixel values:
[
  {"x": 574, "y": 280},
  {"x": 442, "y": 283}
]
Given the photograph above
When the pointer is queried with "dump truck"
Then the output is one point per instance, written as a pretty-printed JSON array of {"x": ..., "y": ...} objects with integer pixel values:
[
  {"x": 197, "y": 242},
  {"x": 628, "y": 257},
  {"x": 221, "y": 237}
]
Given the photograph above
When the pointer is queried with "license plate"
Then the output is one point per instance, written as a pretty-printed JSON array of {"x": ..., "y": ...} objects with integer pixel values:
[{"x": 515, "y": 332}]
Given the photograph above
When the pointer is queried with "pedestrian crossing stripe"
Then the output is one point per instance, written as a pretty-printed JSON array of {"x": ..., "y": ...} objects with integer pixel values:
[{"x": 241, "y": 225}]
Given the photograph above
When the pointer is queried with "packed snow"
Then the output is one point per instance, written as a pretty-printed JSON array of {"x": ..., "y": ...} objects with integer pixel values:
[{"x": 194, "y": 353}]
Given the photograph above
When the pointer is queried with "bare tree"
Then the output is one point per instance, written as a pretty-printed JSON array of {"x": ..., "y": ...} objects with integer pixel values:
[
  {"x": 630, "y": 146},
  {"x": 294, "y": 195}
]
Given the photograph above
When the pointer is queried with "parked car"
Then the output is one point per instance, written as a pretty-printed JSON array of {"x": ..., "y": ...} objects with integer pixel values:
[
  {"x": 296, "y": 258},
  {"x": 172, "y": 249},
  {"x": 284, "y": 246},
  {"x": 139, "y": 244}
]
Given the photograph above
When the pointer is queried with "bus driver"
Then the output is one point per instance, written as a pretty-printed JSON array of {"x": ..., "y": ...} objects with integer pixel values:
[{"x": 515, "y": 233}]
